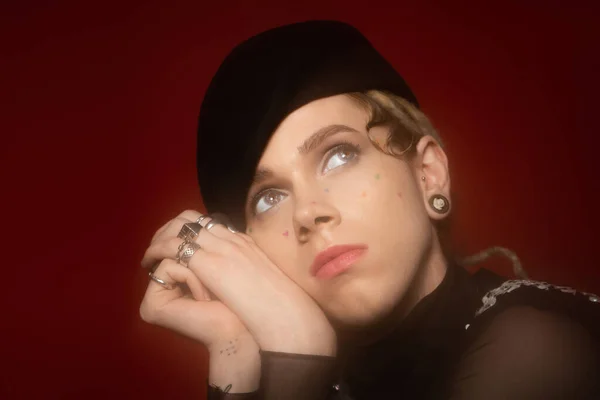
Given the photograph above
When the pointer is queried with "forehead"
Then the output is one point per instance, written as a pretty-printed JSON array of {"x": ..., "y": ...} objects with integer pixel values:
[{"x": 305, "y": 121}]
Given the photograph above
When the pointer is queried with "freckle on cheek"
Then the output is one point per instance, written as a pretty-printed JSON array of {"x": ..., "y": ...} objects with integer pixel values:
[
  {"x": 363, "y": 194},
  {"x": 399, "y": 195}
]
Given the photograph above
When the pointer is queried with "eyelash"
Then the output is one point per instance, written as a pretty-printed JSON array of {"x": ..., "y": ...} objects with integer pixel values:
[{"x": 354, "y": 148}]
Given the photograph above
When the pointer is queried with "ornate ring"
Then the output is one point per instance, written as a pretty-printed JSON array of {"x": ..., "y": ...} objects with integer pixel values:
[
  {"x": 189, "y": 231},
  {"x": 161, "y": 282},
  {"x": 180, "y": 249},
  {"x": 188, "y": 253}
]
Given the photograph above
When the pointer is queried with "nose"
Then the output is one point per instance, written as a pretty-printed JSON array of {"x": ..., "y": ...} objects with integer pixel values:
[{"x": 312, "y": 216}]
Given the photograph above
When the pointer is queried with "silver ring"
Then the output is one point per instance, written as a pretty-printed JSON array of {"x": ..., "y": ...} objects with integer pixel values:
[
  {"x": 180, "y": 249},
  {"x": 213, "y": 222},
  {"x": 216, "y": 219},
  {"x": 220, "y": 219},
  {"x": 161, "y": 282},
  {"x": 188, "y": 253},
  {"x": 189, "y": 231},
  {"x": 201, "y": 218}
]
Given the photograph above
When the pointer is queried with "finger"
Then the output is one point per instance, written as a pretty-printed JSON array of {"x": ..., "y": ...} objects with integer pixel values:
[
  {"x": 200, "y": 320},
  {"x": 167, "y": 244},
  {"x": 243, "y": 241},
  {"x": 182, "y": 218},
  {"x": 180, "y": 274},
  {"x": 191, "y": 215},
  {"x": 204, "y": 321},
  {"x": 175, "y": 223},
  {"x": 174, "y": 274},
  {"x": 171, "y": 229},
  {"x": 161, "y": 249},
  {"x": 223, "y": 231},
  {"x": 237, "y": 279}
]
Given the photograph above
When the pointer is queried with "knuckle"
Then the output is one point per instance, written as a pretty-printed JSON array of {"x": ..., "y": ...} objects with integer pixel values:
[
  {"x": 151, "y": 313},
  {"x": 166, "y": 248},
  {"x": 173, "y": 242},
  {"x": 167, "y": 263},
  {"x": 201, "y": 265},
  {"x": 146, "y": 313},
  {"x": 160, "y": 232},
  {"x": 230, "y": 247},
  {"x": 179, "y": 221},
  {"x": 188, "y": 214},
  {"x": 247, "y": 246},
  {"x": 159, "y": 266}
]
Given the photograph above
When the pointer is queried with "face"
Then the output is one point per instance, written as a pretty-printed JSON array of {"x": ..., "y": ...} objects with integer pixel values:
[{"x": 322, "y": 183}]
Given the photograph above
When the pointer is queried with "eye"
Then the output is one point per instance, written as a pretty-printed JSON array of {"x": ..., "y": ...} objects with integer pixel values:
[
  {"x": 266, "y": 200},
  {"x": 341, "y": 155}
]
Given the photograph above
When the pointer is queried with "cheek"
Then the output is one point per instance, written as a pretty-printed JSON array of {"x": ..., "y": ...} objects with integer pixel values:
[{"x": 396, "y": 212}]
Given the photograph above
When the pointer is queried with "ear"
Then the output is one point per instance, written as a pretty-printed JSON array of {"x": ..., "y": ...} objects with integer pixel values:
[{"x": 430, "y": 162}]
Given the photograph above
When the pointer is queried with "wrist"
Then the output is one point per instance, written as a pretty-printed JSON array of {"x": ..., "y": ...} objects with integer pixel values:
[
  {"x": 235, "y": 363},
  {"x": 320, "y": 344}
]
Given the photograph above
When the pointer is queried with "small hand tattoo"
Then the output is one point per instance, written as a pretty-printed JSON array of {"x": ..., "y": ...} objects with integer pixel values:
[{"x": 231, "y": 349}]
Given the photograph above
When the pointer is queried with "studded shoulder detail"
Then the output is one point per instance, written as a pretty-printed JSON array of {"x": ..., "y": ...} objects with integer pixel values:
[{"x": 490, "y": 298}]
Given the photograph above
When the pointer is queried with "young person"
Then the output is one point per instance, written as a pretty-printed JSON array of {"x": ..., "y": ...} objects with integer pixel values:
[{"x": 329, "y": 273}]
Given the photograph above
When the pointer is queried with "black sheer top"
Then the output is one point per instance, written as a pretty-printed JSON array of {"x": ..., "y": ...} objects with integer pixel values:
[{"x": 474, "y": 337}]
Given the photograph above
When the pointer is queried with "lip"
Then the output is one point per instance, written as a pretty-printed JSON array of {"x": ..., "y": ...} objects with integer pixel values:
[{"x": 336, "y": 259}]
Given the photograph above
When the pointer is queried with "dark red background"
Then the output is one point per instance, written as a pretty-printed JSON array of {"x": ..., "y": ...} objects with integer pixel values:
[{"x": 98, "y": 147}]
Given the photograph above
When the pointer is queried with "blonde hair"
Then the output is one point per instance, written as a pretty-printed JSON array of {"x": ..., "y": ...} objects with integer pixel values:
[{"x": 407, "y": 125}]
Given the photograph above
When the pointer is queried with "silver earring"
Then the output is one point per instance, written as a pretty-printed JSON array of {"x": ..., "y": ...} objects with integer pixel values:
[{"x": 439, "y": 203}]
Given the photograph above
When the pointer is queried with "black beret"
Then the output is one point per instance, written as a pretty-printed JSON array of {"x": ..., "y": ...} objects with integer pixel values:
[{"x": 262, "y": 81}]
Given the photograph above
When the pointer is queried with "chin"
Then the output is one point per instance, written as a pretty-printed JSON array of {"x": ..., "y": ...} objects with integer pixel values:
[
  {"x": 360, "y": 313},
  {"x": 368, "y": 308}
]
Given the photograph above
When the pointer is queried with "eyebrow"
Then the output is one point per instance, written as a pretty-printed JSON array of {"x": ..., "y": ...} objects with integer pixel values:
[
  {"x": 321, "y": 135},
  {"x": 306, "y": 147}
]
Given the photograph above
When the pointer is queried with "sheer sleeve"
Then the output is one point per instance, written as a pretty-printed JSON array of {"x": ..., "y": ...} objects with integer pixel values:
[
  {"x": 216, "y": 393},
  {"x": 296, "y": 376},
  {"x": 287, "y": 376},
  {"x": 525, "y": 353}
]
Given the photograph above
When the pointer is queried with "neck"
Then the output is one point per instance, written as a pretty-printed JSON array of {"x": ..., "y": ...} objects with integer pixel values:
[{"x": 428, "y": 277}]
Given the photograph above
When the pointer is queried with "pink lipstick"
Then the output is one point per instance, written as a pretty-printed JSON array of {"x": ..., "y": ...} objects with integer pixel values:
[{"x": 336, "y": 259}]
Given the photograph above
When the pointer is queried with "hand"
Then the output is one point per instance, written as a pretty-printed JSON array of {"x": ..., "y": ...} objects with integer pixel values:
[
  {"x": 189, "y": 310},
  {"x": 279, "y": 314}
]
